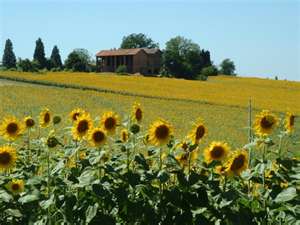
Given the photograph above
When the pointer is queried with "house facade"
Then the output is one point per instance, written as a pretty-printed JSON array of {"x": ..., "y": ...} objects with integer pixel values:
[{"x": 137, "y": 60}]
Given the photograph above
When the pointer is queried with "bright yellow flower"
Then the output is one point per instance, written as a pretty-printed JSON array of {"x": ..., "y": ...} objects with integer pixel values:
[
  {"x": 183, "y": 157},
  {"x": 97, "y": 137},
  {"x": 45, "y": 118},
  {"x": 8, "y": 157},
  {"x": 16, "y": 186},
  {"x": 29, "y": 122},
  {"x": 289, "y": 122},
  {"x": 82, "y": 126},
  {"x": 137, "y": 112},
  {"x": 160, "y": 132},
  {"x": 76, "y": 113},
  {"x": 237, "y": 163},
  {"x": 124, "y": 135},
  {"x": 11, "y": 128},
  {"x": 109, "y": 122},
  {"x": 216, "y": 151},
  {"x": 198, "y": 132},
  {"x": 264, "y": 123}
]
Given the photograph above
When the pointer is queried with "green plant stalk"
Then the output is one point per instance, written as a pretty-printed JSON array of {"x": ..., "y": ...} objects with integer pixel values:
[
  {"x": 48, "y": 182},
  {"x": 280, "y": 146}
]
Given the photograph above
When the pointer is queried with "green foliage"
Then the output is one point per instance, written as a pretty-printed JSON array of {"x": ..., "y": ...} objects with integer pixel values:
[
  {"x": 227, "y": 67},
  {"x": 39, "y": 54},
  {"x": 9, "y": 58},
  {"x": 27, "y": 66},
  {"x": 184, "y": 59},
  {"x": 201, "y": 77},
  {"x": 55, "y": 58},
  {"x": 78, "y": 60},
  {"x": 138, "y": 41},
  {"x": 210, "y": 71},
  {"x": 122, "y": 69}
]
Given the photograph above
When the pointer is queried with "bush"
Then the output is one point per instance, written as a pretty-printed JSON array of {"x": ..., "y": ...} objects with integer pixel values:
[
  {"x": 209, "y": 71},
  {"x": 201, "y": 77},
  {"x": 27, "y": 66},
  {"x": 122, "y": 69}
]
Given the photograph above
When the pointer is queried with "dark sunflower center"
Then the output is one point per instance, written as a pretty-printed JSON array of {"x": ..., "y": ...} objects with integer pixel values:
[
  {"x": 238, "y": 163},
  {"x": 15, "y": 187},
  {"x": 292, "y": 120},
  {"x": 124, "y": 136},
  {"x": 138, "y": 114},
  {"x": 82, "y": 126},
  {"x": 12, "y": 128},
  {"x": 47, "y": 118},
  {"x": 266, "y": 122},
  {"x": 75, "y": 115},
  {"x": 98, "y": 136},
  {"x": 184, "y": 146},
  {"x": 200, "y": 132},
  {"x": 110, "y": 123},
  {"x": 217, "y": 152},
  {"x": 29, "y": 123},
  {"x": 162, "y": 132},
  {"x": 5, "y": 158}
]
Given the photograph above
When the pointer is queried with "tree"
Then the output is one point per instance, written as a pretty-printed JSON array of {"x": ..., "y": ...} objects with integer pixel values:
[
  {"x": 138, "y": 41},
  {"x": 55, "y": 58},
  {"x": 227, "y": 67},
  {"x": 27, "y": 66},
  {"x": 184, "y": 59},
  {"x": 209, "y": 71},
  {"x": 39, "y": 54},
  {"x": 79, "y": 60},
  {"x": 9, "y": 58}
]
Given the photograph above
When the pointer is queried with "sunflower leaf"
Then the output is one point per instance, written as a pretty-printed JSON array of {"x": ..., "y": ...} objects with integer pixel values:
[{"x": 286, "y": 195}]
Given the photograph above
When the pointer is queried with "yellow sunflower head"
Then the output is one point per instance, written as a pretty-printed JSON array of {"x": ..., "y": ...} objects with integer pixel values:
[
  {"x": 8, "y": 157},
  {"x": 29, "y": 122},
  {"x": 82, "y": 126},
  {"x": 11, "y": 128},
  {"x": 183, "y": 157},
  {"x": 97, "y": 137},
  {"x": 264, "y": 123},
  {"x": 217, "y": 151},
  {"x": 16, "y": 186},
  {"x": 198, "y": 132},
  {"x": 220, "y": 170},
  {"x": 76, "y": 113},
  {"x": 124, "y": 135},
  {"x": 289, "y": 122},
  {"x": 109, "y": 122},
  {"x": 237, "y": 163},
  {"x": 45, "y": 118},
  {"x": 160, "y": 132},
  {"x": 137, "y": 112}
]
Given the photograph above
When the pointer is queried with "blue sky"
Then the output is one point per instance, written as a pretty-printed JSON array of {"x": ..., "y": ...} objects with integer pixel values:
[{"x": 262, "y": 37}]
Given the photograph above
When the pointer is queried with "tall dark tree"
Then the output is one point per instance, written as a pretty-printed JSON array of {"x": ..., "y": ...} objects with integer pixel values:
[
  {"x": 39, "y": 54},
  {"x": 55, "y": 58},
  {"x": 206, "y": 61},
  {"x": 138, "y": 41},
  {"x": 9, "y": 58}
]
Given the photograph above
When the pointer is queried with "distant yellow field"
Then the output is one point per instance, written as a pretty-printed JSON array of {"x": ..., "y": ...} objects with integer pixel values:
[{"x": 221, "y": 90}]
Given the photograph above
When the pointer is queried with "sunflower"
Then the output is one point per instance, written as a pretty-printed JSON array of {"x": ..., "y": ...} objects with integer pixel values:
[
  {"x": 11, "y": 128},
  {"x": 45, "y": 118},
  {"x": 29, "y": 122},
  {"x": 8, "y": 157},
  {"x": 264, "y": 123},
  {"x": 237, "y": 163},
  {"x": 289, "y": 122},
  {"x": 137, "y": 112},
  {"x": 220, "y": 170},
  {"x": 183, "y": 157},
  {"x": 97, "y": 137},
  {"x": 124, "y": 135},
  {"x": 82, "y": 126},
  {"x": 76, "y": 113},
  {"x": 16, "y": 186},
  {"x": 160, "y": 132},
  {"x": 109, "y": 122},
  {"x": 216, "y": 151},
  {"x": 198, "y": 132}
]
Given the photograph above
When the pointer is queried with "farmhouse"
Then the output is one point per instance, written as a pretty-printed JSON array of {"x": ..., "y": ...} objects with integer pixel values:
[{"x": 136, "y": 60}]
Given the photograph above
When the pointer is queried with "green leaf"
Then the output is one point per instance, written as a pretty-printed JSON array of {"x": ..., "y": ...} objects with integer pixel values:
[
  {"x": 86, "y": 178},
  {"x": 91, "y": 212},
  {"x": 4, "y": 196},
  {"x": 28, "y": 198},
  {"x": 60, "y": 165},
  {"x": 286, "y": 195},
  {"x": 46, "y": 203},
  {"x": 163, "y": 176},
  {"x": 13, "y": 212}
]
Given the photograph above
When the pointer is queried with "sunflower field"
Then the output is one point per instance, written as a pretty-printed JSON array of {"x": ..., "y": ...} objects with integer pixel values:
[{"x": 112, "y": 169}]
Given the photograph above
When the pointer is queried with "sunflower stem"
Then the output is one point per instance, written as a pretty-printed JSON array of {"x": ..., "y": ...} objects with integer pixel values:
[{"x": 280, "y": 146}]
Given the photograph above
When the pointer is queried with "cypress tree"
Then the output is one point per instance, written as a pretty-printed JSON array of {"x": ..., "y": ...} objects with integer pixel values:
[
  {"x": 55, "y": 58},
  {"x": 9, "y": 58},
  {"x": 39, "y": 54}
]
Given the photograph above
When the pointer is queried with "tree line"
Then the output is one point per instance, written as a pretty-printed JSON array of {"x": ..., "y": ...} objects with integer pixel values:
[{"x": 181, "y": 58}]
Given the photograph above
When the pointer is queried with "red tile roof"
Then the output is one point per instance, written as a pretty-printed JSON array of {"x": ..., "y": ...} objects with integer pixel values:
[{"x": 131, "y": 51}]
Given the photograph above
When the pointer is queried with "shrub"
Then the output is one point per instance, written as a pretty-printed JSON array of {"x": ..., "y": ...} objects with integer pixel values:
[
  {"x": 201, "y": 77},
  {"x": 27, "y": 66},
  {"x": 209, "y": 71},
  {"x": 122, "y": 69}
]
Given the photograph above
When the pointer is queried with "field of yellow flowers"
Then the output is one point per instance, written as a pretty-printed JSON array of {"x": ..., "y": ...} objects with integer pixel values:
[{"x": 108, "y": 168}]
